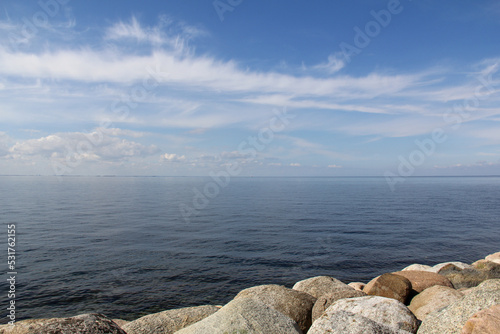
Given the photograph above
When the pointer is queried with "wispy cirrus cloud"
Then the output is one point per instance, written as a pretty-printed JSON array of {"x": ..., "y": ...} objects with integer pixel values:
[
  {"x": 335, "y": 63},
  {"x": 82, "y": 84}
]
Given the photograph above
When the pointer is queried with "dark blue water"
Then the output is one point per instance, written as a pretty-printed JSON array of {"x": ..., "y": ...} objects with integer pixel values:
[{"x": 120, "y": 246}]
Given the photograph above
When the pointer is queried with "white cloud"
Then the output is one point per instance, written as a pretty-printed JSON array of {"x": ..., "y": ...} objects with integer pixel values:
[
  {"x": 195, "y": 72},
  {"x": 295, "y": 164},
  {"x": 289, "y": 101},
  {"x": 135, "y": 31},
  {"x": 97, "y": 145},
  {"x": 334, "y": 64},
  {"x": 77, "y": 84},
  {"x": 172, "y": 157}
]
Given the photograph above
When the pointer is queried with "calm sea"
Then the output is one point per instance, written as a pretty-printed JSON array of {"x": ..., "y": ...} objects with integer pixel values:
[{"x": 120, "y": 246}]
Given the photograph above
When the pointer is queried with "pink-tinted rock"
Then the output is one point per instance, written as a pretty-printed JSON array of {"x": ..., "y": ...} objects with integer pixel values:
[
  {"x": 484, "y": 322},
  {"x": 432, "y": 299}
]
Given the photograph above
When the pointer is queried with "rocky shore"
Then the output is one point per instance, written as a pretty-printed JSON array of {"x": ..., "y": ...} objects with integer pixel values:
[{"x": 452, "y": 297}]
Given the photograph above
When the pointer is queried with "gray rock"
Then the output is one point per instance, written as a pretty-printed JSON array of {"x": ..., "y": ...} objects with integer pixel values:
[
  {"x": 390, "y": 286},
  {"x": 342, "y": 322},
  {"x": 450, "y": 268},
  {"x": 467, "y": 278},
  {"x": 244, "y": 316},
  {"x": 470, "y": 277},
  {"x": 385, "y": 311},
  {"x": 169, "y": 321},
  {"x": 325, "y": 301},
  {"x": 452, "y": 318},
  {"x": 91, "y": 323},
  {"x": 292, "y": 303},
  {"x": 318, "y": 286},
  {"x": 432, "y": 299}
]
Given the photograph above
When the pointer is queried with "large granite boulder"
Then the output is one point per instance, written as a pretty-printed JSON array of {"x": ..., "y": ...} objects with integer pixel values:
[
  {"x": 385, "y": 311},
  {"x": 342, "y": 322},
  {"x": 484, "y": 322},
  {"x": 325, "y": 301},
  {"x": 453, "y": 317},
  {"x": 390, "y": 286},
  {"x": 421, "y": 280},
  {"x": 432, "y": 299},
  {"x": 295, "y": 304},
  {"x": 244, "y": 315},
  {"x": 169, "y": 321},
  {"x": 466, "y": 278},
  {"x": 91, "y": 323},
  {"x": 318, "y": 286}
]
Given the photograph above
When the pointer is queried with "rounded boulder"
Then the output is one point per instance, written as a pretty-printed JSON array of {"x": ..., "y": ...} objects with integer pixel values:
[
  {"x": 385, "y": 311},
  {"x": 169, "y": 321},
  {"x": 432, "y": 299},
  {"x": 244, "y": 315},
  {"x": 295, "y": 304},
  {"x": 390, "y": 286},
  {"x": 319, "y": 285}
]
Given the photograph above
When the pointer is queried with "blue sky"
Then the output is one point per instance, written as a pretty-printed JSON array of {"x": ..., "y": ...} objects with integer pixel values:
[{"x": 292, "y": 88}]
